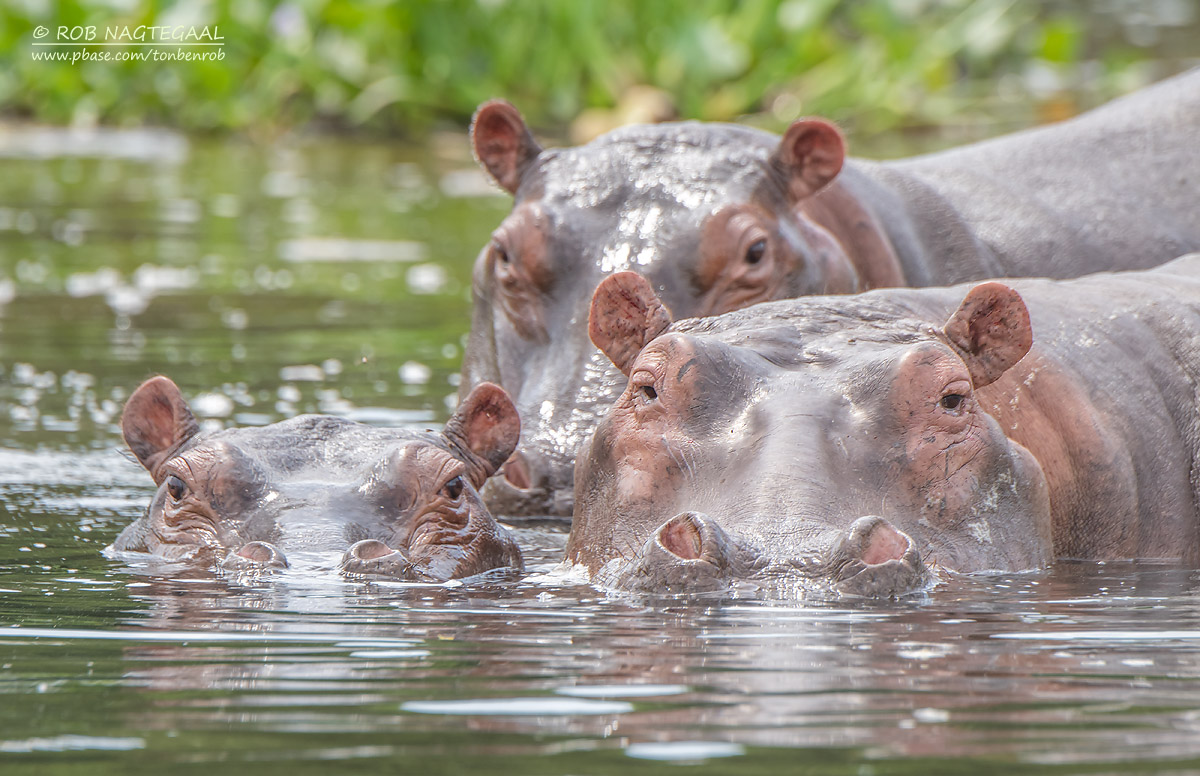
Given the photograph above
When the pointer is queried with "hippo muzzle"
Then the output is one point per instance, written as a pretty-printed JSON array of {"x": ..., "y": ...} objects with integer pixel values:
[
  {"x": 691, "y": 553},
  {"x": 876, "y": 560},
  {"x": 255, "y": 556},
  {"x": 373, "y": 558},
  {"x": 531, "y": 485}
]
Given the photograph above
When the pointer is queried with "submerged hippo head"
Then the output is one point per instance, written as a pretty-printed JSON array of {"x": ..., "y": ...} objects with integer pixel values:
[
  {"x": 837, "y": 439},
  {"x": 709, "y": 213},
  {"x": 399, "y": 503}
]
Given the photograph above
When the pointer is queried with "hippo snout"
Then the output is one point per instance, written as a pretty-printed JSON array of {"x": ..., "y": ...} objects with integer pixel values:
[
  {"x": 874, "y": 559},
  {"x": 688, "y": 553},
  {"x": 693, "y": 538},
  {"x": 530, "y": 485},
  {"x": 255, "y": 555},
  {"x": 373, "y": 558}
]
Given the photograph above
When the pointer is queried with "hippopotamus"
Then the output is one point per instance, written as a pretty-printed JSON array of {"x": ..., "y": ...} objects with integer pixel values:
[
  {"x": 401, "y": 504},
  {"x": 718, "y": 217},
  {"x": 858, "y": 443}
]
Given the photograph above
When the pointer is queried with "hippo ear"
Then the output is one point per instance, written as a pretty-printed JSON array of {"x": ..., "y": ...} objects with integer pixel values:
[
  {"x": 809, "y": 156},
  {"x": 155, "y": 421},
  {"x": 502, "y": 143},
  {"x": 991, "y": 331},
  {"x": 485, "y": 428},
  {"x": 626, "y": 315}
]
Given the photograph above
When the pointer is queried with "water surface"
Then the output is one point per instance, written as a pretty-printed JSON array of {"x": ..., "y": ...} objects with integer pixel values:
[{"x": 331, "y": 276}]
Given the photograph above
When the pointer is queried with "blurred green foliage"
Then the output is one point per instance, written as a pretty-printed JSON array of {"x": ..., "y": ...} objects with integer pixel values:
[{"x": 398, "y": 66}]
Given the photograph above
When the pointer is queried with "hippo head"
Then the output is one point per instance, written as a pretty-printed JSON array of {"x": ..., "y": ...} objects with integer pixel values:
[
  {"x": 709, "y": 213},
  {"x": 834, "y": 439},
  {"x": 399, "y": 503}
]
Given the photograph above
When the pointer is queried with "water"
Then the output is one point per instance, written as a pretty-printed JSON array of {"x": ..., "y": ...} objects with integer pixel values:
[{"x": 322, "y": 275}]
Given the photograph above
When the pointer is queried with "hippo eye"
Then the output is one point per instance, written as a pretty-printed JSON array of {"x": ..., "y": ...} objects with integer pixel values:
[
  {"x": 501, "y": 254},
  {"x": 952, "y": 401},
  {"x": 454, "y": 488},
  {"x": 648, "y": 392},
  {"x": 176, "y": 488},
  {"x": 755, "y": 253}
]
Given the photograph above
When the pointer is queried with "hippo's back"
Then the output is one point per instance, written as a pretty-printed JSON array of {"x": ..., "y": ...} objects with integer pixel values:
[{"x": 1114, "y": 188}]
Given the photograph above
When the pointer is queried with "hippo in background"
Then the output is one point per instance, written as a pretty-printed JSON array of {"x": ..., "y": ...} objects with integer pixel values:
[
  {"x": 858, "y": 442},
  {"x": 719, "y": 217},
  {"x": 403, "y": 504}
]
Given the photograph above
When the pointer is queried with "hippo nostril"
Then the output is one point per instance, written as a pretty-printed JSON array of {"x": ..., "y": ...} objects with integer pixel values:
[
  {"x": 373, "y": 558},
  {"x": 516, "y": 472},
  {"x": 680, "y": 536},
  {"x": 875, "y": 559},
  {"x": 879, "y": 541},
  {"x": 256, "y": 554},
  {"x": 370, "y": 549}
]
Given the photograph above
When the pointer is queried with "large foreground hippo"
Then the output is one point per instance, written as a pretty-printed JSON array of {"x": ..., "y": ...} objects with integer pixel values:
[
  {"x": 857, "y": 441},
  {"x": 719, "y": 217},
  {"x": 402, "y": 504}
]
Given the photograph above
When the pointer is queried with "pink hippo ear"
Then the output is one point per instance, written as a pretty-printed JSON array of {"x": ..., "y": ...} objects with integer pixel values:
[
  {"x": 990, "y": 330},
  {"x": 502, "y": 143},
  {"x": 485, "y": 428},
  {"x": 809, "y": 156},
  {"x": 626, "y": 315},
  {"x": 155, "y": 421}
]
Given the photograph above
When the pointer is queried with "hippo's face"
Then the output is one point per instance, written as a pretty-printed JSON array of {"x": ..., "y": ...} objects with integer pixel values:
[
  {"x": 708, "y": 213},
  {"x": 821, "y": 438},
  {"x": 399, "y": 503}
]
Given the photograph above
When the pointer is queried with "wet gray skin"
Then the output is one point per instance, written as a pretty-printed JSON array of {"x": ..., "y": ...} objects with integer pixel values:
[
  {"x": 743, "y": 450},
  {"x": 857, "y": 442},
  {"x": 638, "y": 199},
  {"x": 398, "y": 503},
  {"x": 718, "y": 217}
]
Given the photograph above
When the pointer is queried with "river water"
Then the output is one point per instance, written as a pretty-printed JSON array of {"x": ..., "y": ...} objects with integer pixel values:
[{"x": 314, "y": 274}]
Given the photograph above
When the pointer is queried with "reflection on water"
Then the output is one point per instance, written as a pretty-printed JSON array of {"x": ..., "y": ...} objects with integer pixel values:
[
  {"x": 330, "y": 277},
  {"x": 311, "y": 276},
  {"x": 1088, "y": 664}
]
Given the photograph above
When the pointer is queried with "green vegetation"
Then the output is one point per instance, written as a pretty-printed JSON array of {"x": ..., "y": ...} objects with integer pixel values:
[{"x": 399, "y": 66}]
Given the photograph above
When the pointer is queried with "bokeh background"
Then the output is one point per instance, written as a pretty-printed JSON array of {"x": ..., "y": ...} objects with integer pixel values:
[{"x": 402, "y": 67}]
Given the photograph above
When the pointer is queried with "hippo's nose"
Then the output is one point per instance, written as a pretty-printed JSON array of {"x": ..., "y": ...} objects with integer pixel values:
[
  {"x": 255, "y": 555},
  {"x": 692, "y": 536},
  {"x": 373, "y": 558},
  {"x": 874, "y": 541},
  {"x": 688, "y": 553},
  {"x": 516, "y": 471},
  {"x": 369, "y": 549},
  {"x": 874, "y": 559},
  {"x": 530, "y": 484}
]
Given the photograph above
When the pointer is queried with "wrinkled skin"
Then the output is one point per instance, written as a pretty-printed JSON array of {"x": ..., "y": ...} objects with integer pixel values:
[
  {"x": 858, "y": 442},
  {"x": 719, "y": 217},
  {"x": 401, "y": 504}
]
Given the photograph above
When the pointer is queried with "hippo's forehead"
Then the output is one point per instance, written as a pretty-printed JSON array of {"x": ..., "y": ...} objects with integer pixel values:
[
  {"x": 696, "y": 171},
  {"x": 774, "y": 365},
  {"x": 825, "y": 332},
  {"x": 314, "y": 447}
]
